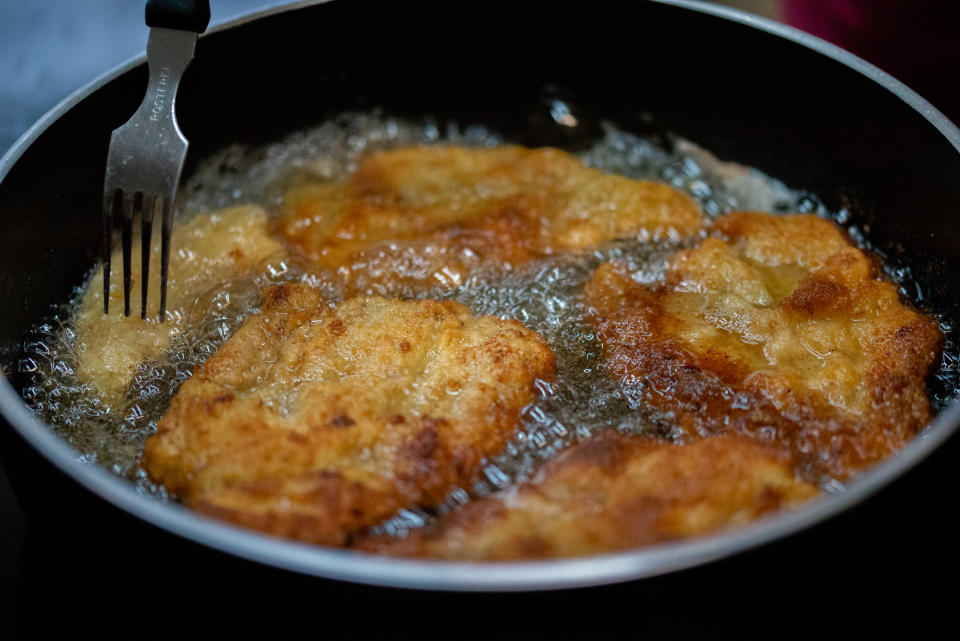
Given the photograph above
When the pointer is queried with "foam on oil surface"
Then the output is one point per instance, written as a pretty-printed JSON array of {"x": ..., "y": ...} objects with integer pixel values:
[{"x": 543, "y": 295}]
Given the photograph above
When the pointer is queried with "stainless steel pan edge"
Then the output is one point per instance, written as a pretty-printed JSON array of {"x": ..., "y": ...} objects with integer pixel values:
[{"x": 467, "y": 576}]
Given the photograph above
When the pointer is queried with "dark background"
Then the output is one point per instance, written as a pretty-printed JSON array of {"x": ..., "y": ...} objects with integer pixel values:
[{"x": 886, "y": 565}]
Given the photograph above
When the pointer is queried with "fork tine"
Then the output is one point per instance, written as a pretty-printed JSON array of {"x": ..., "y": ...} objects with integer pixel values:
[
  {"x": 146, "y": 229},
  {"x": 165, "y": 251},
  {"x": 111, "y": 203},
  {"x": 146, "y": 154},
  {"x": 126, "y": 233}
]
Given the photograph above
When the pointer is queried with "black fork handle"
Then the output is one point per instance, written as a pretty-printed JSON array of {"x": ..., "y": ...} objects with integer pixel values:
[{"x": 185, "y": 15}]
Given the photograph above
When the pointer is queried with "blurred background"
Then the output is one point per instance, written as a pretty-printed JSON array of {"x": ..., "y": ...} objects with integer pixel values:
[
  {"x": 917, "y": 41},
  {"x": 50, "y": 48}
]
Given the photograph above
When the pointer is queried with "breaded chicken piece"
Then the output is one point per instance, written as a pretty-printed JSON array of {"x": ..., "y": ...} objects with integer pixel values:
[
  {"x": 613, "y": 492},
  {"x": 414, "y": 218},
  {"x": 206, "y": 252},
  {"x": 779, "y": 328},
  {"x": 316, "y": 420}
]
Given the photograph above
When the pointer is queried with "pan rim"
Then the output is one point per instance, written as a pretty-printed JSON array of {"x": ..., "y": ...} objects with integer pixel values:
[{"x": 478, "y": 576}]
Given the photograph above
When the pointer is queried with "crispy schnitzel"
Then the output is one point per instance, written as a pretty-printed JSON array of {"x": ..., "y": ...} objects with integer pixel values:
[
  {"x": 775, "y": 327},
  {"x": 419, "y": 217},
  {"x": 207, "y": 251},
  {"x": 613, "y": 492},
  {"x": 316, "y": 420}
]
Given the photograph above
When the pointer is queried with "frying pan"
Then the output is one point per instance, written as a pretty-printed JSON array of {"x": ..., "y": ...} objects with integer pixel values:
[{"x": 749, "y": 90}]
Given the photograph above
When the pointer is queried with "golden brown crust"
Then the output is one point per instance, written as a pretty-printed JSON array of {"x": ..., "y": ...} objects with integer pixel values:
[
  {"x": 421, "y": 217},
  {"x": 775, "y": 327},
  {"x": 613, "y": 492},
  {"x": 315, "y": 420}
]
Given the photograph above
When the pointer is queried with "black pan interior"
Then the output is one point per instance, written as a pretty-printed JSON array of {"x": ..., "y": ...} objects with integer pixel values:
[{"x": 748, "y": 96}]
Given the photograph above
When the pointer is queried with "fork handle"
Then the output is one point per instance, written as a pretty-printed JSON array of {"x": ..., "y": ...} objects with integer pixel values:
[{"x": 185, "y": 15}]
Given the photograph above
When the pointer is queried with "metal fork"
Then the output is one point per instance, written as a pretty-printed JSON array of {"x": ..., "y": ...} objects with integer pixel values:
[{"x": 147, "y": 153}]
